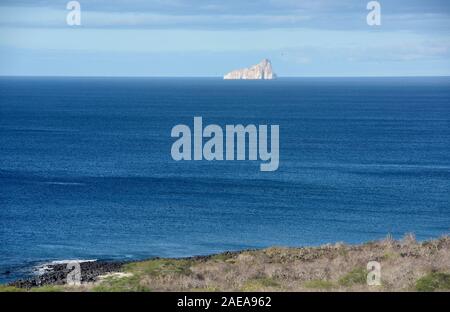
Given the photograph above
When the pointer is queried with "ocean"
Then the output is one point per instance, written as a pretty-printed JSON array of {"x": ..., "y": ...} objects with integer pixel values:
[{"x": 86, "y": 170}]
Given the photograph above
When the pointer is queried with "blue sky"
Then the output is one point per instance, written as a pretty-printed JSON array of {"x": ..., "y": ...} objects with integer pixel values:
[{"x": 211, "y": 37}]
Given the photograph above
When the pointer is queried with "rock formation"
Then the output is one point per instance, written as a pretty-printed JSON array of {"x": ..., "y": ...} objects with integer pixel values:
[{"x": 263, "y": 70}]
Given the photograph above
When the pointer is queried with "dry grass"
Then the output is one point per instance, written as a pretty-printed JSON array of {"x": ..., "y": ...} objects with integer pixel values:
[
  {"x": 406, "y": 265},
  {"x": 337, "y": 267}
]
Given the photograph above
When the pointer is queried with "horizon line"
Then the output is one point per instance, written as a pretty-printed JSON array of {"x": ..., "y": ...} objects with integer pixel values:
[{"x": 221, "y": 77}]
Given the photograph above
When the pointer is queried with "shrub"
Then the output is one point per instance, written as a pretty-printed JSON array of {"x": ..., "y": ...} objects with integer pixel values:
[
  {"x": 434, "y": 281},
  {"x": 260, "y": 283},
  {"x": 319, "y": 284},
  {"x": 356, "y": 276}
]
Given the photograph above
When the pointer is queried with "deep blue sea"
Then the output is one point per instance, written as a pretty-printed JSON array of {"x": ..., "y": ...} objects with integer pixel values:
[{"x": 86, "y": 170}]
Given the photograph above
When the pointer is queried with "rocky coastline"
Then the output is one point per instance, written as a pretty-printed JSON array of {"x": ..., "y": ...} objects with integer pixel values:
[
  {"x": 57, "y": 273},
  {"x": 403, "y": 265}
]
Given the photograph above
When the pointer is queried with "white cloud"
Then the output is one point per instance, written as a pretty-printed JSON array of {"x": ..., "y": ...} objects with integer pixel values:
[
  {"x": 47, "y": 17},
  {"x": 217, "y": 15}
]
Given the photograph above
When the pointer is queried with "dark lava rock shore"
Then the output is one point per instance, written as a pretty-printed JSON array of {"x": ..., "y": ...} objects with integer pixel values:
[{"x": 57, "y": 273}]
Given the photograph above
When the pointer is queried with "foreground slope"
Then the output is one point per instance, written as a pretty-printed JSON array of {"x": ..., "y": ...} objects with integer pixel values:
[{"x": 406, "y": 265}]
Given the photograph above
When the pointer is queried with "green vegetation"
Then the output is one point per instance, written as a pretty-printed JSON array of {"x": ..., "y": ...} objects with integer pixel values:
[
  {"x": 160, "y": 267},
  {"x": 434, "y": 282},
  {"x": 5, "y": 288},
  {"x": 342, "y": 252},
  {"x": 222, "y": 257},
  {"x": 319, "y": 284},
  {"x": 283, "y": 269},
  {"x": 46, "y": 288},
  {"x": 120, "y": 284},
  {"x": 260, "y": 283},
  {"x": 141, "y": 270},
  {"x": 389, "y": 255},
  {"x": 354, "y": 277}
]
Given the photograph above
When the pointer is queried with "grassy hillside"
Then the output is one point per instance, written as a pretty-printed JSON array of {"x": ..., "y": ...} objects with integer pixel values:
[{"x": 406, "y": 265}]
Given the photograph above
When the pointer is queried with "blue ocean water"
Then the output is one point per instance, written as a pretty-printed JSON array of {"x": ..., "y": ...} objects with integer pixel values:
[{"x": 86, "y": 170}]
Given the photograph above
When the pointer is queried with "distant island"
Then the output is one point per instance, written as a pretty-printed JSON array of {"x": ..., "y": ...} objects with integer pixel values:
[{"x": 261, "y": 71}]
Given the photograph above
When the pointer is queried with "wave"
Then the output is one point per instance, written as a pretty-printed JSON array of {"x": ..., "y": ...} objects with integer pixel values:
[
  {"x": 374, "y": 166},
  {"x": 63, "y": 183},
  {"x": 42, "y": 130},
  {"x": 48, "y": 266}
]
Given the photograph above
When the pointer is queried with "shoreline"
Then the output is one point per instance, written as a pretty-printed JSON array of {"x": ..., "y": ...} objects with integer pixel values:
[{"x": 405, "y": 265}]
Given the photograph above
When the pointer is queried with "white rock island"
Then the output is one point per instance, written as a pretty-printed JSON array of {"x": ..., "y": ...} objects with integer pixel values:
[{"x": 262, "y": 71}]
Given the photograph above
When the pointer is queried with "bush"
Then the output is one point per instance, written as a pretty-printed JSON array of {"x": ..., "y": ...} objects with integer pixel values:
[
  {"x": 5, "y": 288},
  {"x": 434, "y": 281},
  {"x": 356, "y": 276},
  {"x": 319, "y": 284},
  {"x": 259, "y": 284}
]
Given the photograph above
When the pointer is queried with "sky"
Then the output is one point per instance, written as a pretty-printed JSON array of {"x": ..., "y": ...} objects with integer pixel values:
[{"x": 190, "y": 38}]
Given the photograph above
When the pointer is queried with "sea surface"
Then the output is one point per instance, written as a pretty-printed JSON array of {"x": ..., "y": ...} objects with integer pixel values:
[{"x": 86, "y": 170}]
